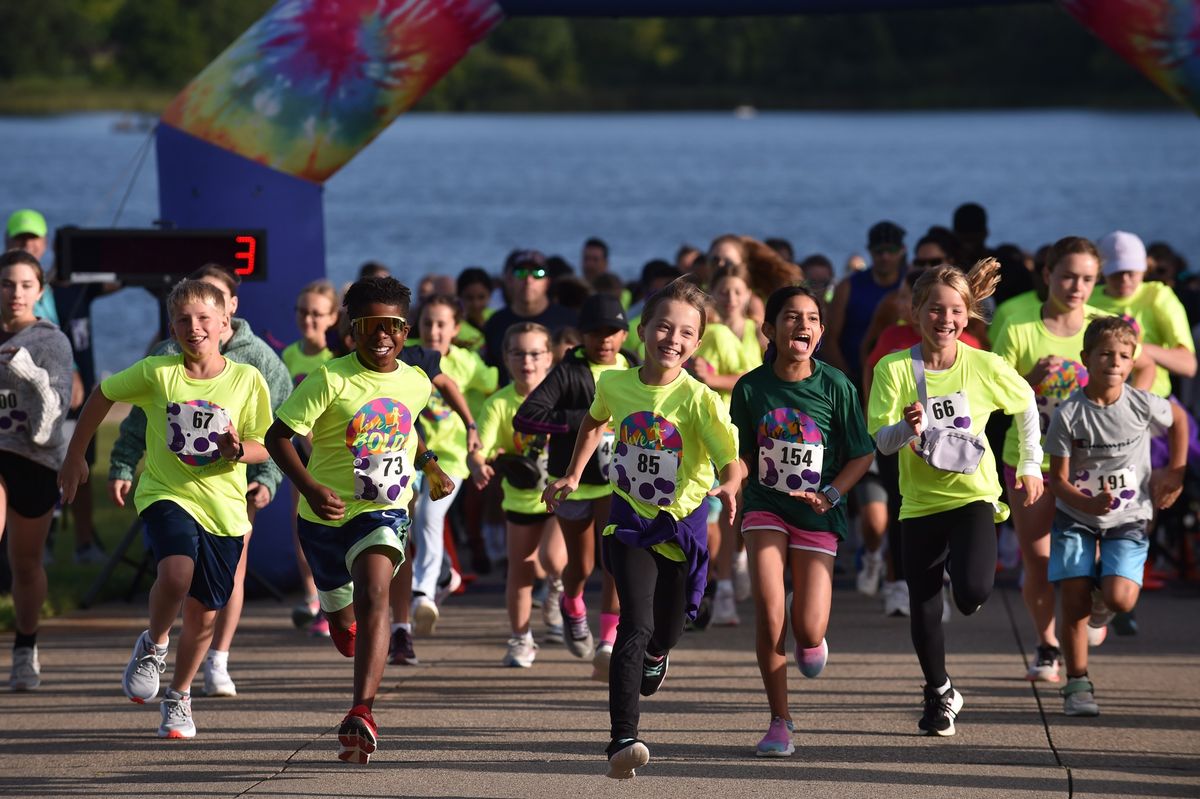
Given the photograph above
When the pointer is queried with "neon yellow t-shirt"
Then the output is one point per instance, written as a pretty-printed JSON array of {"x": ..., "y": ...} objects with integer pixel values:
[
  {"x": 729, "y": 355},
  {"x": 668, "y": 439},
  {"x": 184, "y": 416},
  {"x": 1005, "y": 310},
  {"x": 299, "y": 365},
  {"x": 496, "y": 433},
  {"x": 444, "y": 430},
  {"x": 608, "y": 442},
  {"x": 1023, "y": 342},
  {"x": 978, "y": 383},
  {"x": 362, "y": 433},
  {"x": 1162, "y": 317}
]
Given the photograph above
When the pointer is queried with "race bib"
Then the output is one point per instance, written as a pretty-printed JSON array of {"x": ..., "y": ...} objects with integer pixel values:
[
  {"x": 192, "y": 431},
  {"x": 1121, "y": 484},
  {"x": 647, "y": 474},
  {"x": 377, "y": 438},
  {"x": 605, "y": 451},
  {"x": 790, "y": 465},
  {"x": 952, "y": 411},
  {"x": 12, "y": 418}
]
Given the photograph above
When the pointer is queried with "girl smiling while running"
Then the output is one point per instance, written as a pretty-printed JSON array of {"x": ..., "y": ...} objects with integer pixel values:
[
  {"x": 671, "y": 429},
  {"x": 802, "y": 437}
]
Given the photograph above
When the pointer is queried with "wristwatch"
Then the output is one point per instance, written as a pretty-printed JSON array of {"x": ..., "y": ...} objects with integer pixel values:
[
  {"x": 424, "y": 458},
  {"x": 241, "y": 452},
  {"x": 832, "y": 494}
]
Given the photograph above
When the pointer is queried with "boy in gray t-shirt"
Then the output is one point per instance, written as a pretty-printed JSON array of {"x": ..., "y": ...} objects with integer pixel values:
[{"x": 1099, "y": 447}]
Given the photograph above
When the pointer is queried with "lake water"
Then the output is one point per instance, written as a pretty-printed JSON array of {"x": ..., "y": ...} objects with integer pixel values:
[{"x": 436, "y": 193}]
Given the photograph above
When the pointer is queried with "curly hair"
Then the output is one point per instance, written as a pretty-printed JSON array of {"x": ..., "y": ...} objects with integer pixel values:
[{"x": 383, "y": 290}]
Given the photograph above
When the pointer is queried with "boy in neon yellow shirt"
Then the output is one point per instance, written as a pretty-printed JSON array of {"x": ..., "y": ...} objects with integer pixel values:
[
  {"x": 353, "y": 524},
  {"x": 192, "y": 496}
]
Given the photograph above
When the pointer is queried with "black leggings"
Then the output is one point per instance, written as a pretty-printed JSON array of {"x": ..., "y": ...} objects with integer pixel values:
[
  {"x": 962, "y": 540},
  {"x": 652, "y": 590}
]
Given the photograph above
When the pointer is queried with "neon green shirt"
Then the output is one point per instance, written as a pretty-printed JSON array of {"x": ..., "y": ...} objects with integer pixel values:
[
  {"x": 1023, "y": 342},
  {"x": 978, "y": 383},
  {"x": 362, "y": 433},
  {"x": 444, "y": 430},
  {"x": 668, "y": 439},
  {"x": 1005, "y": 310},
  {"x": 496, "y": 433},
  {"x": 729, "y": 355},
  {"x": 633, "y": 342},
  {"x": 184, "y": 416},
  {"x": 299, "y": 365},
  {"x": 1162, "y": 317}
]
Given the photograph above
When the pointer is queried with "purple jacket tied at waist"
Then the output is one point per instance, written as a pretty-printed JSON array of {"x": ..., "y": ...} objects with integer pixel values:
[{"x": 690, "y": 533}]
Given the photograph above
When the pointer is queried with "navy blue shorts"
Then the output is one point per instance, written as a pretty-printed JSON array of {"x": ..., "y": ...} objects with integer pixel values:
[
  {"x": 330, "y": 551},
  {"x": 170, "y": 530}
]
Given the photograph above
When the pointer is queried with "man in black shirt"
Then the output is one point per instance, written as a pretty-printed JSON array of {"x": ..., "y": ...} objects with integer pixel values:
[{"x": 528, "y": 285}]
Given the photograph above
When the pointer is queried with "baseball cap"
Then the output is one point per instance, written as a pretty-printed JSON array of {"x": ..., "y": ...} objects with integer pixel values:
[
  {"x": 602, "y": 311},
  {"x": 1122, "y": 252},
  {"x": 519, "y": 258},
  {"x": 884, "y": 233},
  {"x": 26, "y": 222}
]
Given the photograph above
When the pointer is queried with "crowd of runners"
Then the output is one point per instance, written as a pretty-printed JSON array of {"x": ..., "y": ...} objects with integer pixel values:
[{"x": 708, "y": 434}]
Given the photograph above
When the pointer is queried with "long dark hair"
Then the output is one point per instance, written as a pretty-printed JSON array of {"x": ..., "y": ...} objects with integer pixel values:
[{"x": 775, "y": 304}]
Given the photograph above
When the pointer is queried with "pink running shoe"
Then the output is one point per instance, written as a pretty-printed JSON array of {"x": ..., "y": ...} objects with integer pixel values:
[
  {"x": 320, "y": 627},
  {"x": 778, "y": 740},
  {"x": 812, "y": 661}
]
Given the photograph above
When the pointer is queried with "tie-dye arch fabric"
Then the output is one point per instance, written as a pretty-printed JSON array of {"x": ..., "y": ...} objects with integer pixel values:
[
  {"x": 314, "y": 81},
  {"x": 1159, "y": 37}
]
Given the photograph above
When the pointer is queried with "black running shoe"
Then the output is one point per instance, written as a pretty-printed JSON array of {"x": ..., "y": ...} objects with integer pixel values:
[
  {"x": 940, "y": 711},
  {"x": 401, "y": 653},
  {"x": 653, "y": 674}
]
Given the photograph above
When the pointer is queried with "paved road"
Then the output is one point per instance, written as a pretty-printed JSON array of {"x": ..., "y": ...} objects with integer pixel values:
[{"x": 462, "y": 726}]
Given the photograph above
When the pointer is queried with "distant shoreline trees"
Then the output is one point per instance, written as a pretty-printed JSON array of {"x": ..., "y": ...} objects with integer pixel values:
[{"x": 978, "y": 57}]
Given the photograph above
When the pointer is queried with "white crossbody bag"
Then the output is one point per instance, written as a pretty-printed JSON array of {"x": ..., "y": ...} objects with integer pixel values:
[{"x": 944, "y": 448}]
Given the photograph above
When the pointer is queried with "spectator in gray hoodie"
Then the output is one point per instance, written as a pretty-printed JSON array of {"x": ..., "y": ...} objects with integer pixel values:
[
  {"x": 238, "y": 344},
  {"x": 35, "y": 390}
]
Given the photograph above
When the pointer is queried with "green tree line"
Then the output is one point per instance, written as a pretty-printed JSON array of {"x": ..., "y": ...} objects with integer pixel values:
[{"x": 975, "y": 57}]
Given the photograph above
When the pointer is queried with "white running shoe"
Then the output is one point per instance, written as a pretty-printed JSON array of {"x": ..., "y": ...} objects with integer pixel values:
[
  {"x": 176, "y": 716},
  {"x": 725, "y": 612},
  {"x": 895, "y": 599},
  {"x": 26, "y": 671},
  {"x": 521, "y": 652},
  {"x": 552, "y": 607},
  {"x": 741, "y": 577},
  {"x": 600, "y": 662},
  {"x": 425, "y": 615},
  {"x": 871, "y": 573},
  {"x": 217, "y": 681}
]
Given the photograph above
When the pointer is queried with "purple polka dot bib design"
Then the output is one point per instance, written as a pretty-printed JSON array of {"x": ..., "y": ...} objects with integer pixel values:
[
  {"x": 12, "y": 418},
  {"x": 646, "y": 459},
  {"x": 1059, "y": 383},
  {"x": 604, "y": 452},
  {"x": 791, "y": 452},
  {"x": 377, "y": 438},
  {"x": 1121, "y": 485},
  {"x": 192, "y": 430}
]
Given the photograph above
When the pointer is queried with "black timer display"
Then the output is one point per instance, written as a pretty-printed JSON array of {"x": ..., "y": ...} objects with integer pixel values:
[{"x": 156, "y": 257}]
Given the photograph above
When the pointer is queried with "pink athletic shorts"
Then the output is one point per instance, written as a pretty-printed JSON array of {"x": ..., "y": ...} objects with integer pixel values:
[{"x": 813, "y": 540}]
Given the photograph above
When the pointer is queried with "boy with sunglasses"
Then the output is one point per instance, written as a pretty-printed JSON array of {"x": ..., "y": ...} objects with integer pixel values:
[
  {"x": 527, "y": 284},
  {"x": 353, "y": 520}
]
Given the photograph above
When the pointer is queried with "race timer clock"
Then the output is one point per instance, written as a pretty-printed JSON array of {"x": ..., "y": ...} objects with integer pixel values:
[{"x": 156, "y": 257}]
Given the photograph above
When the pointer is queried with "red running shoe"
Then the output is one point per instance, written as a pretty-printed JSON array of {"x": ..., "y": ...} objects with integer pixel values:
[
  {"x": 344, "y": 639},
  {"x": 357, "y": 737}
]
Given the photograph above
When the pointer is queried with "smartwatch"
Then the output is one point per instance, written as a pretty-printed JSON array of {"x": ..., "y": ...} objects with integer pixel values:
[
  {"x": 832, "y": 494},
  {"x": 424, "y": 458}
]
